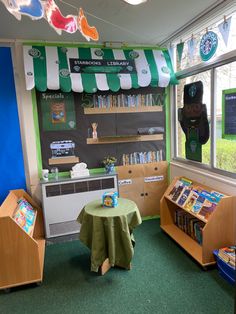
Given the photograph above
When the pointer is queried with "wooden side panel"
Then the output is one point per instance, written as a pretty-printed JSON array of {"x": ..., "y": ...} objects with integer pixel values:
[
  {"x": 220, "y": 229},
  {"x": 19, "y": 261},
  {"x": 21, "y": 254}
]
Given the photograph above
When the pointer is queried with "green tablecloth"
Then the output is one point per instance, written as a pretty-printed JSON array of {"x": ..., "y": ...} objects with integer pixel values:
[{"x": 108, "y": 232}]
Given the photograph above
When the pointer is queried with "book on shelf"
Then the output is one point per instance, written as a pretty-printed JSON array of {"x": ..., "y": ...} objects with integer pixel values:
[
  {"x": 184, "y": 196},
  {"x": 191, "y": 200},
  {"x": 199, "y": 203},
  {"x": 207, "y": 209},
  {"x": 189, "y": 224},
  {"x": 198, "y": 226},
  {"x": 25, "y": 215},
  {"x": 216, "y": 196},
  {"x": 177, "y": 190},
  {"x": 227, "y": 254}
]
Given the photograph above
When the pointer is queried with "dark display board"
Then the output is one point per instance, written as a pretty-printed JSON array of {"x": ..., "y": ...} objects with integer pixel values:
[
  {"x": 229, "y": 113},
  {"x": 64, "y": 129}
]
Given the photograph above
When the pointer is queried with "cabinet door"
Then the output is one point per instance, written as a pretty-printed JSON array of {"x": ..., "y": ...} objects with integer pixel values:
[
  {"x": 135, "y": 196},
  {"x": 130, "y": 172},
  {"x": 155, "y": 184},
  {"x": 155, "y": 176},
  {"x": 131, "y": 184},
  {"x": 152, "y": 198}
]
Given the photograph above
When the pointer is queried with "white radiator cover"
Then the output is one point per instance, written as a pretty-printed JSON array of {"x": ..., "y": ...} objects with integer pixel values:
[{"x": 64, "y": 199}]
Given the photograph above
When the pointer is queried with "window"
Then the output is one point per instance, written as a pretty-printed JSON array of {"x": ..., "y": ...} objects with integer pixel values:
[
  {"x": 225, "y": 78},
  {"x": 219, "y": 78}
]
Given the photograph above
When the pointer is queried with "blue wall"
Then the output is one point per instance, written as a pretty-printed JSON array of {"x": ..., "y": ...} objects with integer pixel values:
[{"x": 12, "y": 174}]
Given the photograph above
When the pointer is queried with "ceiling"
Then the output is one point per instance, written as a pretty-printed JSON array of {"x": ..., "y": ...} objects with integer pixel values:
[{"x": 117, "y": 21}]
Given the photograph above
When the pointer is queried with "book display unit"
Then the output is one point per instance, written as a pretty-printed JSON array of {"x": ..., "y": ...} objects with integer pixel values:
[
  {"x": 22, "y": 243},
  {"x": 197, "y": 224}
]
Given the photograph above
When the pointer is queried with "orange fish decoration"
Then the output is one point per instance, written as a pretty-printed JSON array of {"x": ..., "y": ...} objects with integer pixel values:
[{"x": 89, "y": 32}]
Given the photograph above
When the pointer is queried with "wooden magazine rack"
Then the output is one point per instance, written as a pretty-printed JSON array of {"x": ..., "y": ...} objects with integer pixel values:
[
  {"x": 218, "y": 232},
  {"x": 22, "y": 254}
]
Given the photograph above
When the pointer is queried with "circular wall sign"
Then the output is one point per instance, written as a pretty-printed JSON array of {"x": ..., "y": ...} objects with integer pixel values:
[{"x": 208, "y": 45}]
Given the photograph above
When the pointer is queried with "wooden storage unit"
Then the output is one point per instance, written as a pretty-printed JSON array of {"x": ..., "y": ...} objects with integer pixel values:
[
  {"x": 217, "y": 232},
  {"x": 22, "y": 255},
  {"x": 144, "y": 184}
]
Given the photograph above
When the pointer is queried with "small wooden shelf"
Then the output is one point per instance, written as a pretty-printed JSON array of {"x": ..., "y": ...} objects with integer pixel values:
[
  {"x": 22, "y": 254},
  {"x": 217, "y": 232},
  {"x": 63, "y": 160},
  {"x": 125, "y": 139},
  {"x": 122, "y": 110}
]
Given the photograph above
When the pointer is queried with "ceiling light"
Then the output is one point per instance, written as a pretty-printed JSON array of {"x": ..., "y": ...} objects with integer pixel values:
[{"x": 135, "y": 2}]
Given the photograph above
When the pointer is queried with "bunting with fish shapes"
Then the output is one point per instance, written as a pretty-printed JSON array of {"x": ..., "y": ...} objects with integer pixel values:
[
  {"x": 37, "y": 9},
  {"x": 89, "y": 32},
  {"x": 57, "y": 20},
  {"x": 31, "y": 8}
]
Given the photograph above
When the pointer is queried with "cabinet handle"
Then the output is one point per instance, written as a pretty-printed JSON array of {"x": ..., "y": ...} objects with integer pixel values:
[
  {"x": 142, "y": 194},
  {"x": 130, "y": 171},
  {"x": 155, "y": 168},
  {"x": 146, "y": 194}
]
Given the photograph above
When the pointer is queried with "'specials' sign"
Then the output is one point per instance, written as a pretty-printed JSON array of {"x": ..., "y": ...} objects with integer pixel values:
[{"x": 102, "y": 66}]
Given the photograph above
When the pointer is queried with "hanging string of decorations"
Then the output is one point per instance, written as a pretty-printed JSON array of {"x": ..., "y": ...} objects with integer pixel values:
[
  {"x": 49, "y": 10},
  {"x": 208, "y": 41}
]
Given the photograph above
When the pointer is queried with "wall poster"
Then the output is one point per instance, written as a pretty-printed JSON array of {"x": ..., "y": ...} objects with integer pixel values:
[{"x": 229, "y": 114}]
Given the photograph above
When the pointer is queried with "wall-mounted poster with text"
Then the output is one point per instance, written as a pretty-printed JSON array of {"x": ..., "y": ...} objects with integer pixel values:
[
  {"x": 229, "y": 113},
  {"x": 58, "y": 111}
]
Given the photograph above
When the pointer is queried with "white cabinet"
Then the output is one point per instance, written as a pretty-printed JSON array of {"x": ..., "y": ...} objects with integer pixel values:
[{"x": 64, "y": 199}]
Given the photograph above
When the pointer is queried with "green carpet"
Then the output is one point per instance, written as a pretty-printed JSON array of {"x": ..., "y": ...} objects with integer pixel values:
[{"x": 163, "y": 279}]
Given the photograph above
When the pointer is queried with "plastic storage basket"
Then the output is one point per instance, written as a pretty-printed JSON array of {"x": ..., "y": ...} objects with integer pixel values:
[{"x": 226, "y": 271}]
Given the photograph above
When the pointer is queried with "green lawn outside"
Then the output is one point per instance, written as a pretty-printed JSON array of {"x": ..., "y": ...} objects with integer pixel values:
[{"x": 225, "y": 154}]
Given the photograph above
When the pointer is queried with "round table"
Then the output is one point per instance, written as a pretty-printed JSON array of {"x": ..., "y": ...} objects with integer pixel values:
[{"x": 108, "y": 232}]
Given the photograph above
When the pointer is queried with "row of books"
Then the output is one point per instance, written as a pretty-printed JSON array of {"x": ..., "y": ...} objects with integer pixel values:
[
  {"x": 142, "y": 157},
  {"x": 122, "y": 100},
  {"x": 190, "y": 225},
  {"x": 227, "y": 254},
  {"x": 194, "y": 198},
  {"x": 25, "y": 215}
]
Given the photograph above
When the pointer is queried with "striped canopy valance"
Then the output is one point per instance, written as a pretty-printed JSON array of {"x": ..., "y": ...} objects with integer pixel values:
[{"x": 48, "y": 67}]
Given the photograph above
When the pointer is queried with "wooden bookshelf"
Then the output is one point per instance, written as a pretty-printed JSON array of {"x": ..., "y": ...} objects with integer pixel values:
[
  {"x": 22, "y": 254},
  {"x": 125, "y": 139},
  {"x": 123, "y": 110},
  {"x": 217, "y": 232}
]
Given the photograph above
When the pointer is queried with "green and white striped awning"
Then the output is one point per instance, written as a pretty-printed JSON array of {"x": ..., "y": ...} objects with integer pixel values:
[{"x": 48, "y": 67}]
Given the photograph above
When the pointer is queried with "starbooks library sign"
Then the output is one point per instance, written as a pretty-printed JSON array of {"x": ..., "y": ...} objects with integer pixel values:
[{"x": 102, "y": 66}]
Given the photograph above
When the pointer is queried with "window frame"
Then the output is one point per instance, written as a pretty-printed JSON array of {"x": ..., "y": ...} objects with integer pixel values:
[{"x": 224, "y": 59}]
